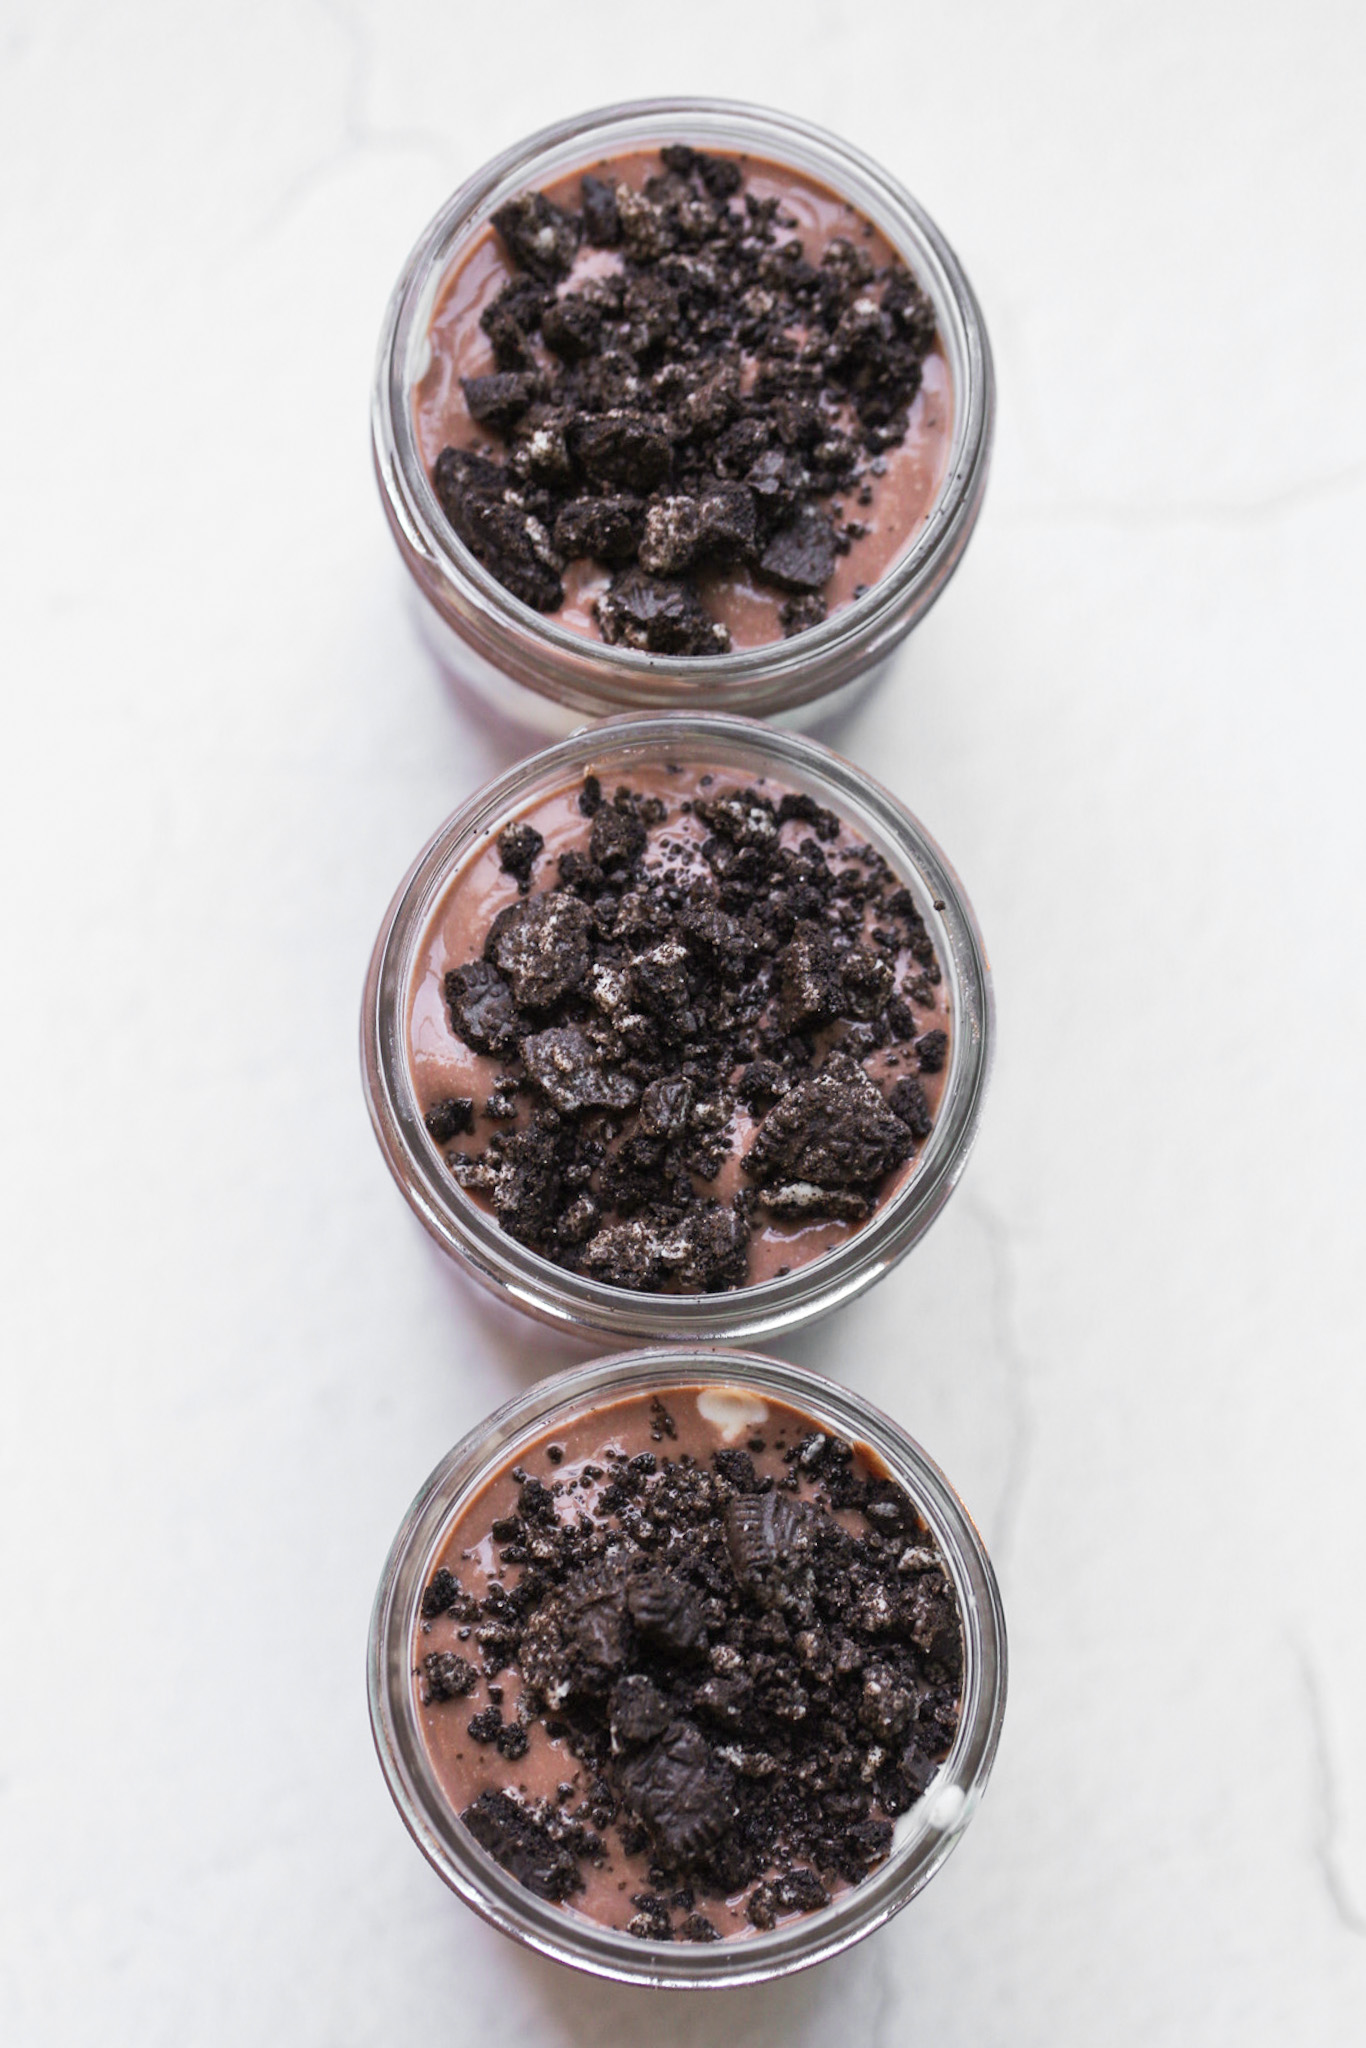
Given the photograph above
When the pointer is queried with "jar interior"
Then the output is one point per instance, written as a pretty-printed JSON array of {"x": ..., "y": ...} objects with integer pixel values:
[{"x": 924, "y": 1835}]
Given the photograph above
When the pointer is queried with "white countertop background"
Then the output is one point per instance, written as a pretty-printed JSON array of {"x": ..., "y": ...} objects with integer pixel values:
[{"x": 1134, "y": 722}]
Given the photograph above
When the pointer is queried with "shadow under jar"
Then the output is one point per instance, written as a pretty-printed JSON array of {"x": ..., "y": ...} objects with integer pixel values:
[
  {"x": 734, "y": 1394},
  {"x": 403, "y": 1011},
  {"x": 529, "y": 663}
]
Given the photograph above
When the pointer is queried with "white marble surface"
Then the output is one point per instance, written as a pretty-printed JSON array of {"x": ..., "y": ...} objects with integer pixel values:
[{"x": 1135, "y": 1339}]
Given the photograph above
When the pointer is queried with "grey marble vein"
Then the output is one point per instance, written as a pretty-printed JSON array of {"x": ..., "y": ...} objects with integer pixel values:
[
  {"x": 1016, "y": 1371},
  {"x": 1327, "y": 1817}
]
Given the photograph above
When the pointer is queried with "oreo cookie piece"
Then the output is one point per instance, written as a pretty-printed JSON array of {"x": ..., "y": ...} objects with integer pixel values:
[
  {"x": 510, "y": 541},
  {"x": 566, "y": 1069},
  {"x": 511, "y": 321},
  {"x": 447, "y": 1119},
  {"x": 665, "y": 1106},
  {"x": 539, "y": 237},
  {"x": 577, "y": 1641},
  {"x": 618, "y": 838},
  {"x": 626, "y": 449},
  {"x": 932, "y": 1051},
  {"x": 499, "y": 400},
  {"x": 523, "y": 1845},
  {"x": 800, "y": 1891},
  {"x": 627, "y": 1255},
  {"x": 519, "y": 848},
  {"x": 482, "y": 1010},
  {"x": 658, "y": 615},
  {"x": 672, "y": 539},
  {"x": 834, "y": 1130},
  {"x": 708, "y": 1251},
  {"x": 799, "y": 613},
  {"x": 802, "y": 1201},
  {"x": 667, "y": 1613},
  {"x": 608, "y": 529},
  {"x": 908, "y": 1101},
  {"x": 541, "y": 948},
  {"x": 638, "y": 1713},
  {"x": 801, "y": 556},
  {"x": 768, "y": 1537},
  {"x": 447, "y": 1677},
  {"x": 572, "y": 327},
  {"x": 681, "y": 1793},
  {"x": 761, "y": 1083},
  {"x": 824, "y": 978},
  {"x": 601, "y": 222}
]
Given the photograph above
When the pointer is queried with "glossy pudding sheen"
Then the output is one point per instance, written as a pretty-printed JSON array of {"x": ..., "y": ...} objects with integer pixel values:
[
  {"x": 684, "y": 1036},
  {"x": 715, "y": 399},
  {"x": 685, "y": 1662}
]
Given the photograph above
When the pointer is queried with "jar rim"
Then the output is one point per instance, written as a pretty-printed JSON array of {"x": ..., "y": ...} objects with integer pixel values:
[
  {"x": 936, "y": 1822},
  {"x": 571, "y": 1300},
  {"x": 596, "y": 677}
]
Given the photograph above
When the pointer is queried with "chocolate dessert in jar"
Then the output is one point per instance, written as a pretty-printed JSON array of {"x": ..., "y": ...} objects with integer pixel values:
[
  {"x": 687, "y": 1668},
  {"x": 679, "y": 402},
  {"x": 680, "y": 1028}
]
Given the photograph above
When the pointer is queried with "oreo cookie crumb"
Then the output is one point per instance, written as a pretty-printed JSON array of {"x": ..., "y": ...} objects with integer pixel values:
[
  {"x": 907, "y": 1100},
  {"x": 445, "y": 1595},
  {"x": 601, "y": 223},
  {"x": 499, "y": 400},
  {"x": 664, "y": 994},
  {"x": 540, "y": 238},
  {"x": 607, "y": 529},
  {"x": 627, "y": 435},
  {"x": 932, "y": 1050},
  {"x": 447, "y": 1119},
  {"x": 447, "y": 1677},
  {"x": 481, "y": 1008},
  {"x": 519, "y": 848}
]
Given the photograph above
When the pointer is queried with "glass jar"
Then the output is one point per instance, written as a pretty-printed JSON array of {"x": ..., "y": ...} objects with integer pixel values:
[
  {"x": 547, "y": 675},
  {"x": 463, "y": 1228},
  {"x": 924, "y": 1835}
]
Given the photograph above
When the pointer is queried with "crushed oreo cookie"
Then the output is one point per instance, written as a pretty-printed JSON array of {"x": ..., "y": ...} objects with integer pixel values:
[
  {"x": 755, "y": 1670},
  {"x": 447, "y": 1119},
  {"x": 682, "y": 964},
  {"x": 700, "y": 407}
]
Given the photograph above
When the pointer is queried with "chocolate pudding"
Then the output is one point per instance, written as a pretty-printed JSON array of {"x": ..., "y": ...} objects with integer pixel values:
[
  {"x": 681, "y": 1036},
  {"x": 684, "y": 403},
  {"x": 683, "y": 1664}
]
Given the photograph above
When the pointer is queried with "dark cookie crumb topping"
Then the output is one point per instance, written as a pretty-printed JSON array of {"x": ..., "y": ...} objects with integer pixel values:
[
  {"x": 657, "y": 985},
  {"x": 705, "y": 406},
  {"x": 752, "y": 1689}
]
